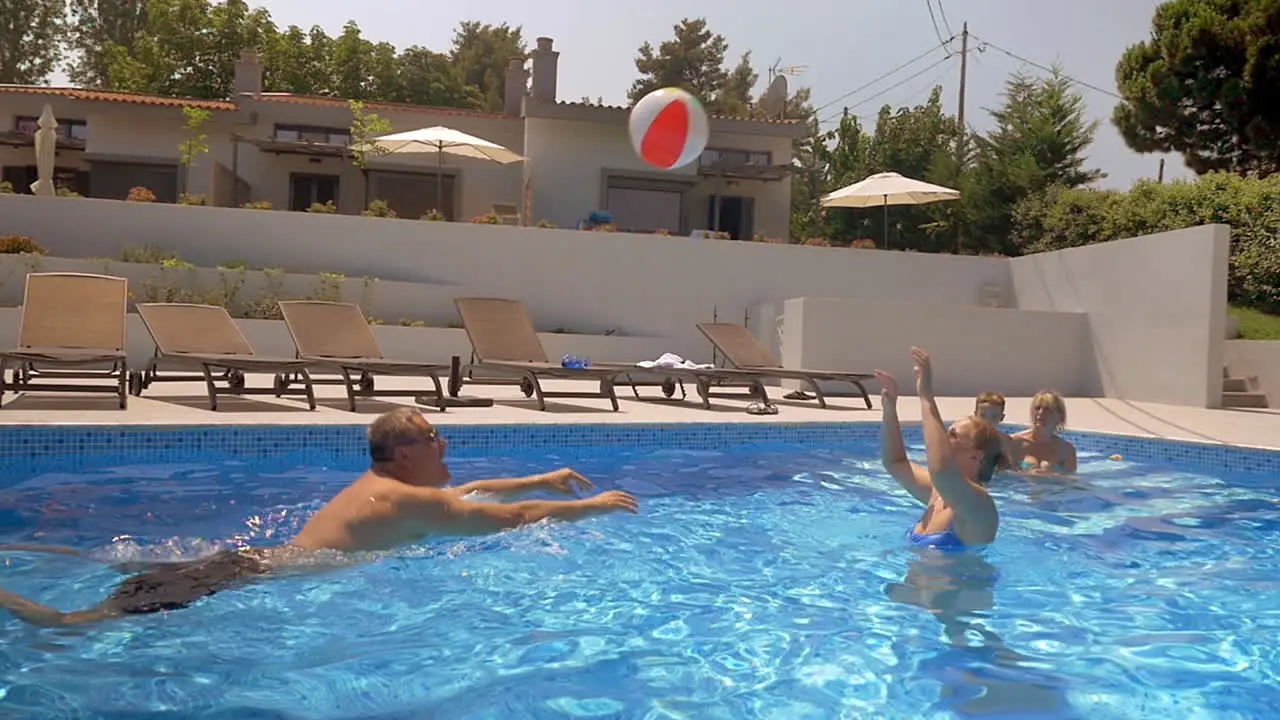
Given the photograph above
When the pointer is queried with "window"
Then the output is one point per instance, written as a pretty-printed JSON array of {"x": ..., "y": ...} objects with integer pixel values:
[
  {"x": 736, "y": 158},
  {"x": 307, "y": 190},
  {"x": 67, "y": 129},
  {"x": 641, "y": 205},
  {"x": 310, "y": 134}
]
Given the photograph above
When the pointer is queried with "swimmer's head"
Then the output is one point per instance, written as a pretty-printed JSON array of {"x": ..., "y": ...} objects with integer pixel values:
[
  {"x": 975, "y": 448},
  {"x": 990, "y": 407},
  {"x": 1048, "y": 411},
  {"x": 405, "y": 446}
]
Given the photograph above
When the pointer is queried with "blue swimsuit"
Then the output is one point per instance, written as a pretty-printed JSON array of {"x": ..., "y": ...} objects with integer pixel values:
[{"x": 945, "y": 540}]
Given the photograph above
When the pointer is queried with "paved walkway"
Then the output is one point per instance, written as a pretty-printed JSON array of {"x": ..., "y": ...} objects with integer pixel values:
[{"x": 186, "y": 404}]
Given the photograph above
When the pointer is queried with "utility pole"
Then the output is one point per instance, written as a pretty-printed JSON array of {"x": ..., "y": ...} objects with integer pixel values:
[
  {"x": 964, "y": 70},
  {"x": 964, "y": 133}
]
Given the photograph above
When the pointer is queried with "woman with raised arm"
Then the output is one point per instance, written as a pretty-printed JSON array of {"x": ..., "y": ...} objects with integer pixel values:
[{"x": 959, "y": 513}]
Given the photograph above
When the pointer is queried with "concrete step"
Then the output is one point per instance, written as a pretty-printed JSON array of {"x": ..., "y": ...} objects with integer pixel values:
[
  {"x": 1235, "y": 385},
  {"x": 1244, "y": 400}
]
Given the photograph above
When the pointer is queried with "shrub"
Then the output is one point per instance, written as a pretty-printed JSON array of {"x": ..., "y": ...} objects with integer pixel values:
[
  {"x": 546, "y": 224},
  {"x": 147, "y": 255},
  {"x": 190, "y": 199},
  {"x": 606, "y": 228},
  {"x": 863, "y": 244},
  {"x": 258, "y": 205},
  {"x": 489, "y": 218},
  {"x": 435, "y": 216},
  {"x": 1061, "y": 218},
  {"x": 379, "y": 208},
  {"x": 19, "y": 245},
  {"x": 6, "y": 187},
  {"x": 67, "y": 193},
  {"x": 325, "y": 208},
  {"x": 140, "y": 194},
  {"x": 817, "y": 242}
]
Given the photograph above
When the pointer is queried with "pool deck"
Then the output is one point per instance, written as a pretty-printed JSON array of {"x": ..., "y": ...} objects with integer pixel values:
[{"x": 181, "y": 403}]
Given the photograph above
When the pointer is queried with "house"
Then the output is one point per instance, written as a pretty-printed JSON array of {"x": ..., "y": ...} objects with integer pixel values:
[{"x": 292, "y": 151}]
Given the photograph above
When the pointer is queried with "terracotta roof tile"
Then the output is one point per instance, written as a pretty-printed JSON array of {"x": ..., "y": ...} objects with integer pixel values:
[
  {"x": 713, "y": 116},
  {"x": 121, "y": 97},
  {"x": 404, "y": 107}
]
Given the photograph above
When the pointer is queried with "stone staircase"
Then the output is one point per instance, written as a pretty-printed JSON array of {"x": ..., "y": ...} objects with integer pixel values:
[{"x": 1236, "y": 393}]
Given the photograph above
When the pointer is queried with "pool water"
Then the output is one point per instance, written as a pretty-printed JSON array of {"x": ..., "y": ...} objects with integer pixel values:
[{"x": 767, "y": 582}]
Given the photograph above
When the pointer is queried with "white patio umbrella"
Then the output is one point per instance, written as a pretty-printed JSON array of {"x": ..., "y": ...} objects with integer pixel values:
[
  {"x": 885, "y": 189},
  {"x": 441, "y": 141},
  {"x": 46, "y": 142}
]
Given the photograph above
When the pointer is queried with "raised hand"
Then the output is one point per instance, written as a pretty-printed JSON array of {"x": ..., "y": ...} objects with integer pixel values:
[
  {"x": 888, "y": 386},
  {"x": 615, "y": 500},
  {"x": 565, "y": 481},
  {"x": 924, "y": 372}
]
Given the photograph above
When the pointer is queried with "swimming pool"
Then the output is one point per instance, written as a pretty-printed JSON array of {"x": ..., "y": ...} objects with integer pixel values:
[{"x": 766, "y": 576}]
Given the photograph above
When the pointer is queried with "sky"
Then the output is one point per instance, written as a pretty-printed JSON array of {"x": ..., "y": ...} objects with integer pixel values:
[{"x": 842, "y": 45}]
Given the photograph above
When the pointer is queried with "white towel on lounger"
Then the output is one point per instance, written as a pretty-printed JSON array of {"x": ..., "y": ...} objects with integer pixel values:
[{"x": 671, "y": 360}]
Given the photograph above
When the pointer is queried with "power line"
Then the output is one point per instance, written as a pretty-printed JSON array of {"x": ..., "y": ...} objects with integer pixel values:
[
  {"x": 933, "y": 19},
  {"x": 984, "y": 44},
  {"x": 928, "y": 87},
  {"x": 904, "y": 65},
  {"x": 892, "y": 87},
  {"x": 945, "y": 23}
]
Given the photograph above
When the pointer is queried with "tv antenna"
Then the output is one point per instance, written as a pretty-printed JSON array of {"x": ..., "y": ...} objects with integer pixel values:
[{"x": 774, "y": 100}]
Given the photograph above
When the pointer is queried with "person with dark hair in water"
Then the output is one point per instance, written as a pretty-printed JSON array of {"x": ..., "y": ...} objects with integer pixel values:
[{"x": 403, "y": 498}]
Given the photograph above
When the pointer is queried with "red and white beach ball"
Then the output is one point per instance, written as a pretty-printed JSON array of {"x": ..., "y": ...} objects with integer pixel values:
[{"x": 669, "y": 128}]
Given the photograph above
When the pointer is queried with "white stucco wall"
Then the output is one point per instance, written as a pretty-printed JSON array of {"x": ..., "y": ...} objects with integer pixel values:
[
  {"x": 638, "y": 284},
  {"x": 976, "y": 349},
  {"x": 1157, "y": 308}
]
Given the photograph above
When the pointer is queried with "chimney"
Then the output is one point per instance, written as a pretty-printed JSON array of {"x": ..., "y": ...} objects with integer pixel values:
[
  {"x": 516, "y": 87},
  {"x": 545, "y": 64},
  {"x": 248, "y": 77}
]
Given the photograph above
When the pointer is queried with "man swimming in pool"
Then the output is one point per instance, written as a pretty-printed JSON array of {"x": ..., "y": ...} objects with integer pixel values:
[
  {"x": 402, "y": 498},
  {"x": 959, "y": 512}
]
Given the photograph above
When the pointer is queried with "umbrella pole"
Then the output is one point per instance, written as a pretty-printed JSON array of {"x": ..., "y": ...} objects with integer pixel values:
[
  {"x": 440, "y": 183},
  {"x": 886, "y": 222}
]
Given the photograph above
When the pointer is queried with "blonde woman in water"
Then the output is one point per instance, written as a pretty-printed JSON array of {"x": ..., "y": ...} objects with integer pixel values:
[{"x": 1041, "y": 449}]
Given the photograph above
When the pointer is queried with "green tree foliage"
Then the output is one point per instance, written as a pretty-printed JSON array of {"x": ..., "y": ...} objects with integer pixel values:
[
  {"x": 189, "y": 48},
  {"x": 912, "y": 141},
  {"x": 1204, "y": 85},
  {"x": 693, "y": 60},
  {"x": 1039, "y": 138},
  {"x": 31, "y": 34},
  {"x": 480, "y": 53},
  {"x": 1060, "y": 218},
  {"x": 94, "y": 24}
]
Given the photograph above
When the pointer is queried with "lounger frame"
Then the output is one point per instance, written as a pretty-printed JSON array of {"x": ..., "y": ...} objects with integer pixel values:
[
  {"x": 337, "y": 337},
  {"x": 71, "y": 324},
  {"x": 188, "y": 335},
  {"x": 744, "y": 352},
  {"x": 504, "y": 342}
]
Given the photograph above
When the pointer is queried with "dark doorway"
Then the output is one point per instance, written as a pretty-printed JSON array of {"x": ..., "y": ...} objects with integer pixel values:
[{"x": 735, "y": 215}]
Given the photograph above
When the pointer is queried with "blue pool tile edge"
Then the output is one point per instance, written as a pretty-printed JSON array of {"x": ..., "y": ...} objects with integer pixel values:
[{"x": 48, "y": 446}]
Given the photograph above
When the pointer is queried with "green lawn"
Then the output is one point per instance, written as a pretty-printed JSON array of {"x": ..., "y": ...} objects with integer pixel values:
[{"x": 1256, "y": 325}]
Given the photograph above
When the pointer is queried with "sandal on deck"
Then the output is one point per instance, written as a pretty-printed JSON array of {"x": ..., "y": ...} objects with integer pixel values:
[{"x": 756, "y": 408}]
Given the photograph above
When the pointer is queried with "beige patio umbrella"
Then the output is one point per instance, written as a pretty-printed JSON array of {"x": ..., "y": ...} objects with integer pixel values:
[
  {"x": 441, "y": 141},
  {"x": 885, "y": 189},
  {"x": 46, "y": 142}
]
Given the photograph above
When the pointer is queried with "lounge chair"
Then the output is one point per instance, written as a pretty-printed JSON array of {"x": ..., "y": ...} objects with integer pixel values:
[
  {"x": 336, "y": 335},
  {"x": 504, "y": 342},
  {"x": 205, "y": 337},
  {"x": 744, "y": 352},
  {"x": 70, "y": 322},
  {"x": 707, "y": 382}
]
